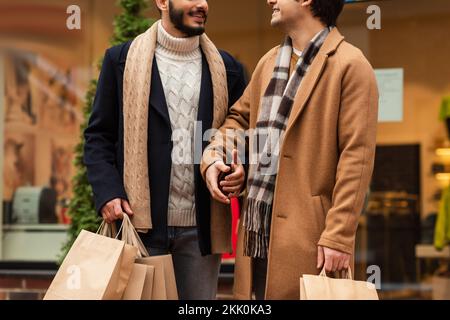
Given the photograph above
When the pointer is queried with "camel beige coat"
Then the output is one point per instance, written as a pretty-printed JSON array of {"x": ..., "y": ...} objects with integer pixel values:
[{"x": 326, "y": 163}]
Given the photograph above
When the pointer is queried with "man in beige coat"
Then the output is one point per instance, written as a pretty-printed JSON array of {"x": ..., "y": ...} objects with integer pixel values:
[{"x": 322, "y": 101}]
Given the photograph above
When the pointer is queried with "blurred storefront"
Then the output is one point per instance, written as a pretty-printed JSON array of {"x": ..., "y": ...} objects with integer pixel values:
[{"x": 45, "y": 70}]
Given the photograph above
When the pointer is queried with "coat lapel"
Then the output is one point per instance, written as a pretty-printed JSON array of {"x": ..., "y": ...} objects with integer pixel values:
[
  {"x": 313, "y": 75},
  {"x": 205, "y": 108},
  {"x": 306, "y": 87},
  {"x": 205, "y": 112}
]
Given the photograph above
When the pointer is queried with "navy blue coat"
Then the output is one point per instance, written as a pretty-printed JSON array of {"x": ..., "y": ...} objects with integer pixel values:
[{"x": 103, "y": 153}]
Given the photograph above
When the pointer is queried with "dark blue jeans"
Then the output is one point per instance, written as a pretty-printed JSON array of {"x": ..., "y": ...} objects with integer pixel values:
[{"x": 196, "y": 275}]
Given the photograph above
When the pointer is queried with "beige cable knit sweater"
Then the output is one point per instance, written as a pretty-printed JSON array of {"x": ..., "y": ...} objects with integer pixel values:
[{"x": 180, "y": 67}]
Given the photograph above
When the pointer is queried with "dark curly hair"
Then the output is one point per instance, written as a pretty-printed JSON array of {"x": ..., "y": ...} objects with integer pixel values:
[{"x": 327, "y": 10}]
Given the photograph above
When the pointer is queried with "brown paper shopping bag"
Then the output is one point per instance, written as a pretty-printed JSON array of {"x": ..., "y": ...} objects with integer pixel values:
[
  {"x": 164, "y": 283},
  {"x": 321, "y": 287},
  {"x": 95, "y": 268},
  {"x": 147, "y": 292},
  {"x": 160, "y": 283},
  {"x": 135, "y": 286}
]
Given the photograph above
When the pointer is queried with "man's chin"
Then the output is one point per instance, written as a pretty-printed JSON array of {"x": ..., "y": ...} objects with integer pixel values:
[
  {"x": 275, "y": 23},
  {"x": 194, "y": 28},
  {"x": 197, "y": 26},
  {"x": 194, "y": 31}
]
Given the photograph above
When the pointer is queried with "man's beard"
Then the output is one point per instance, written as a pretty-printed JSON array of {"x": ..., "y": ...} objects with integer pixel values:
[{"x": 176, "y": 17}]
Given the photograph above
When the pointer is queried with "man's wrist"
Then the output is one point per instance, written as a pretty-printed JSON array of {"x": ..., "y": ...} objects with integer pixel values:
[{"x": 212, "y": 163}]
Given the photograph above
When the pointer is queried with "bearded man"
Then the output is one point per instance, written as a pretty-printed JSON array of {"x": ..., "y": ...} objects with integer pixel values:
[{"x": 156, "y": 95}]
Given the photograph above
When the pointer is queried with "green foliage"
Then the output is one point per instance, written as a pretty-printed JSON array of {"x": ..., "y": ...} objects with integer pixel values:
[
  {"x": 127, "y": 26},
  {"x": 131, "y": 23},
  {"x": 444, "y": 111}
]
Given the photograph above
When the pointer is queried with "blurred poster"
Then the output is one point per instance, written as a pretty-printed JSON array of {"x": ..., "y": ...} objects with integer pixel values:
[
  {"x": 41, "y": 129},
  {"x": 18, "y": 170}
]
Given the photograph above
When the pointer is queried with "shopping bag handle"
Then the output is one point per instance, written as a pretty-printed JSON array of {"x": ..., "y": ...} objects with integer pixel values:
[
  {"x": 131, "y": 237},
  {"x": 109, "y": 229},
  {"x": 128, "y": 234},
  {"x": 349, "y": 276}
]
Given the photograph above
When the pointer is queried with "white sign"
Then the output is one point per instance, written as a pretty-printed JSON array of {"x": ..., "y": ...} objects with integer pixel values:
[{"x": 390, "y": 87}]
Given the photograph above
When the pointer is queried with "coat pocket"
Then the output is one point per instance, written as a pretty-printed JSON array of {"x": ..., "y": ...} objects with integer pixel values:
[{"x": 319, "y": 213}]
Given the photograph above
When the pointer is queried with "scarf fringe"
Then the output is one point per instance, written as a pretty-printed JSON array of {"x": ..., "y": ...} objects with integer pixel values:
[{"x": 257, "y": 228}]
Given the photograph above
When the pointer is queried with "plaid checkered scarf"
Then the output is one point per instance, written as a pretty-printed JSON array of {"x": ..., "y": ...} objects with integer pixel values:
[{"x": 275, "y": 108}]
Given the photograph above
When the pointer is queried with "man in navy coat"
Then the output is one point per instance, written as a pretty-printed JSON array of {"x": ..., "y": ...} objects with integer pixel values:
[{"x": 181, "y": 93}]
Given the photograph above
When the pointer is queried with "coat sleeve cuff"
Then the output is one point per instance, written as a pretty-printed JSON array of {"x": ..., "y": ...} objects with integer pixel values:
[
  {"x": 324, "y": 242},
  {"x": 208, "y": 159},
  {"x": 101, "y": 202}
]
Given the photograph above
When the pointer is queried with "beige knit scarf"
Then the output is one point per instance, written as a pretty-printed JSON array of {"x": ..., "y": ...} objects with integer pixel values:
[{"x": 136, "y": 93}]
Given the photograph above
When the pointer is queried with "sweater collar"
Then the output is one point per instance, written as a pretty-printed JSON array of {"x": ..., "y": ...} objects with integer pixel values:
[{"x": 179, "y": 45}]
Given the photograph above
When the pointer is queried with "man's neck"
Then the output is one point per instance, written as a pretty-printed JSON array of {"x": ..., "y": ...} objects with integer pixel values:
[{"x": 301, "y": 34}]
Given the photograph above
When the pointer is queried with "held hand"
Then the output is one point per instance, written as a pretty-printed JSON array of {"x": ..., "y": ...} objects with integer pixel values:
[
  {"x": 334, "y": 260},
  {"x": 114, "y": 209},
  {"x": 212, "y": 177},
  {"x": 234, "y": 182}
]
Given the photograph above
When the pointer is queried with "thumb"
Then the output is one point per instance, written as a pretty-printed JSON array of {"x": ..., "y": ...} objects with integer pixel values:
[
  {"x": 126, "y": 207},
  {"x": 222, "y": 167},
  {"x": 235, "y": 158},
  {"x": 320, "y": 257}
]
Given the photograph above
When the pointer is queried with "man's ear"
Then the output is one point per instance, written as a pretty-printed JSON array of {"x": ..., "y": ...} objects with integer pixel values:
[
  {"x": 163, "y": 5},
  {"x": 307, "y": 3}
]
